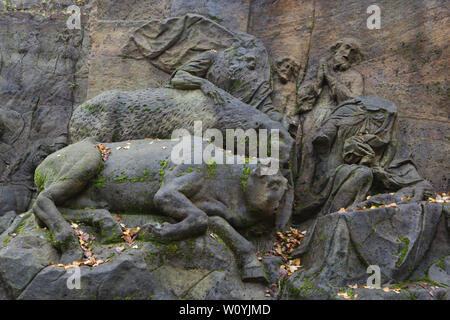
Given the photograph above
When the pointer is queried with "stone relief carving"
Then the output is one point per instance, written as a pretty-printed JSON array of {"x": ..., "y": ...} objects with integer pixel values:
[
  {"x": 144, "y": 179},
  {"x": 285, "y": 92},
  {"x": 351, "y": 155},
  {"x": 336, "y": 80},
  {"x": 350, "y": 143},
  {"x": 357, "y": 152},
  {"x": 194, "y": 49}
]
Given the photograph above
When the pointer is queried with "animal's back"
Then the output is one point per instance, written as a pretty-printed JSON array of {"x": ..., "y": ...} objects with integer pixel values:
[
  {"x": 149, "y": 113},
  {"x": 157, "y": 112}
]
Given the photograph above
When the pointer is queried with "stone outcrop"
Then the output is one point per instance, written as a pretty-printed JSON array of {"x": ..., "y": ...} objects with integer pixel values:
[
  {"x": 409, "y": 243},
  {"x": 197, "y": 268}
]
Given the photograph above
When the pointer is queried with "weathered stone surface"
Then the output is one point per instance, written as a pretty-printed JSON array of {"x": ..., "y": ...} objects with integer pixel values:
[
  {"x": 156, "y": 113},
  {"x": 197, "y": 268},
  {"x": 40, "y": 81},
  {"x": 415, "y": 293},
  {"x": 122, "y": 278},
  {"x": 46, "y": 70},
  {"x": 399, "y": 240},
  {"x": 440, "y": 271},
  {"x": 24, "y": 251},
  {"x": 354, "y": 148},
  {"x": 406, "y": 59},
  {"x": 133, "y": 179},
  {"x": 6, "y": 220}
]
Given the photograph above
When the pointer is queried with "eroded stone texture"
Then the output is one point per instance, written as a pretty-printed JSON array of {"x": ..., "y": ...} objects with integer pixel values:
[
  {"x": 24, "y": 251},
  {"x": 356, "y": 151},
  {"x": 196, "y": 268},
  {"x": 220, "y": 195},
  {"x": 45, "y": 70},
  {"x": 399, "y": 240},
  {"x": 406, "y": 60},
  {"x": 40, "y": 81}
]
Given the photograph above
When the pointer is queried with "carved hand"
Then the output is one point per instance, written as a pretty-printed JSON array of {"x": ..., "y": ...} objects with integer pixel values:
[{"x": 212, "y": 91}]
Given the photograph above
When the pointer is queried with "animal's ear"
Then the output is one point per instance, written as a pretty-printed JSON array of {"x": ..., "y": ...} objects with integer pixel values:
[
  {"x": 263, "y": 170},
  {"x": 256, "y": 171}
]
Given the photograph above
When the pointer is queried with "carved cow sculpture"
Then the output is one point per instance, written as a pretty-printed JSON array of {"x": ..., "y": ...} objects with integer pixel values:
[{"x": 139, "y": 176}]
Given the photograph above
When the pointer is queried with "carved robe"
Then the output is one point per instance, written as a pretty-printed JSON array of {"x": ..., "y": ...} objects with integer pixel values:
[{"x": 355, "y": 152}]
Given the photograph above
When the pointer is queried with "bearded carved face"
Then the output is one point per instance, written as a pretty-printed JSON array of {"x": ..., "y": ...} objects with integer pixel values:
[
  {"x": 240, "y": 57},
  {"x": 345, "y": 53},
  {"x": 286, "y": 69}
]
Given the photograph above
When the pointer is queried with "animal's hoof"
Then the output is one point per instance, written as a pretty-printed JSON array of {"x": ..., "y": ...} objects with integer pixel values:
[
  {"x": 65, "y": 239},
  {"x": 253, "y": 271},
  {"x": 150, "y": 232},
  {"x": 111, "y": 232},
  {"x": 71, "y": 255}
]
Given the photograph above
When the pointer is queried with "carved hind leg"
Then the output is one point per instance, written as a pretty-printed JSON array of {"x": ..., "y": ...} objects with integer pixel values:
[
  {"x": 45, "y": 208},
  {"x": 251, "y": 268},
  {"x": 76, "y": 179},
  {"x": 173, "y": 203}
]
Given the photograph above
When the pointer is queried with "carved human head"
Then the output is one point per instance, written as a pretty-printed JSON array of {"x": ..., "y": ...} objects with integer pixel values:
[
  {"x": 345, "y": 53},
  {"x": 286, "y": 69},
  {"x": 265, "y": 192}
]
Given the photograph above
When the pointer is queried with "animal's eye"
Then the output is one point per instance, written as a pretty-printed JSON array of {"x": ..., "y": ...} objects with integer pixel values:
[{"x": 273, "y": 185}]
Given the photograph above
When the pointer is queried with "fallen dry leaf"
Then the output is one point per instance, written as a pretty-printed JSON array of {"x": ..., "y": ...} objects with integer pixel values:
[
  {"x": 120, "y": 248},
  {"x": 104, "y": 150},
  {"x": 85, "y": 240}
]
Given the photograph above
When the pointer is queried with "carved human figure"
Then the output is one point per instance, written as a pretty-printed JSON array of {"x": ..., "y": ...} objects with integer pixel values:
[
  {"x": 350, "y": 143},
  {"x": 202, "y": 54},
  {"x": 235, "y": 70},
  {"x": 285, "y": 87},
  {"x": 219, "y": 77},
  {"x": 335, "y": 80},
  {"x": 357, "y": 152}
]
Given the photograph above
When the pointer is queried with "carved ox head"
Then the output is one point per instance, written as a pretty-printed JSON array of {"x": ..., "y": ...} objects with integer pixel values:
[{"x": 265, "y": 192}]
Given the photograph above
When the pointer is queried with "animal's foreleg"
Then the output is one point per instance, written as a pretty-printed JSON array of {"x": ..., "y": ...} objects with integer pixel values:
[
  {"x": 176, "y": 205},
  {"x": 251, "y": 268}
]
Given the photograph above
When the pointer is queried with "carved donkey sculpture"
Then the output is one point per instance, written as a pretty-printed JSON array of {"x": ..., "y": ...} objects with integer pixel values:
[{"x": 138, "y": 176}]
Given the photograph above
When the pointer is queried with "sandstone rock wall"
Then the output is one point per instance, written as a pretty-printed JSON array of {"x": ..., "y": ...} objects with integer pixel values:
[
  {"x": 46, "y": 70},
  {"x": 43, "y": 73}
]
